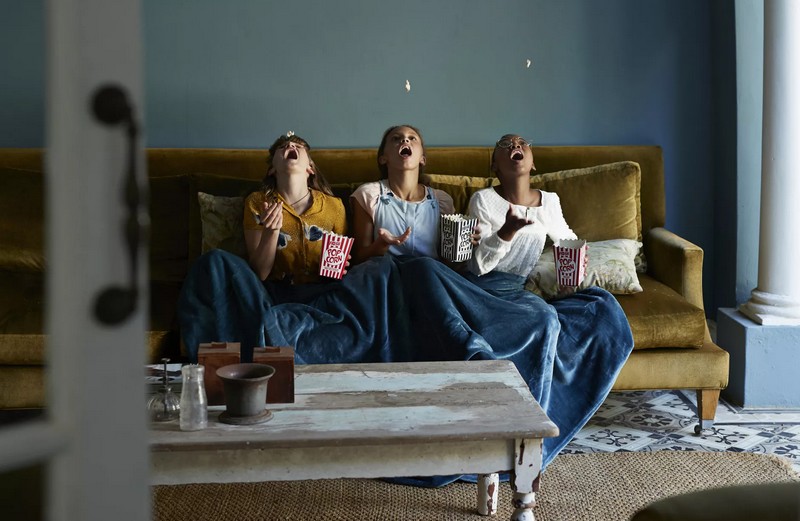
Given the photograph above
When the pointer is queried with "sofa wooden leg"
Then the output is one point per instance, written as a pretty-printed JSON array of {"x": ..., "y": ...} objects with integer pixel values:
[{"x": 707, "y": 400}]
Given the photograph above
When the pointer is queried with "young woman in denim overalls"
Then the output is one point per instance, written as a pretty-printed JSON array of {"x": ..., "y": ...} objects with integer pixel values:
[{"x": 397, "y": 214}]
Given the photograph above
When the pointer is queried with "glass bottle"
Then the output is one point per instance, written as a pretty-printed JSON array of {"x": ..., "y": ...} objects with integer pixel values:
[
  {"x": 164, "y": 405},
  {"x": 194, "y": 406}
]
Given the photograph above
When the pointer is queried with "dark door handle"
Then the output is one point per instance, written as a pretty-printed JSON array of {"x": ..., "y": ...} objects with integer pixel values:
[{"x": 115, "y": 304}]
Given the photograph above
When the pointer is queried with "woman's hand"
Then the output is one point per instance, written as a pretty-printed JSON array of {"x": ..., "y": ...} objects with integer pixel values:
[
  {"x": 271, "y": 216},
  {"x": 393, "y": 240},
  {"x": 262, "y": 244},
  {"x": 475, "y": 238},
  {"x": 513, "y": 224},
  {"x": 346, "y": 265}
]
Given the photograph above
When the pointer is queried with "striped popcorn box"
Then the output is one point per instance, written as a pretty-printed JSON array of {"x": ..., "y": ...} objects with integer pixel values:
[
  {"x": 456, "y": 230},
  {"x": 335, "y": 249},
  {"x": 570, "y": 256}
]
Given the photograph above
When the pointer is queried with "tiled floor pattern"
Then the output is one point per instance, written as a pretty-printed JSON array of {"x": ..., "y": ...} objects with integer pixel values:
[{"x": 646, "y": 421}]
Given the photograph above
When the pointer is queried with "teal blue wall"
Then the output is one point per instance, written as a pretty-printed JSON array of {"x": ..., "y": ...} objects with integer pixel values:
[{"x": 238, "y": 73}]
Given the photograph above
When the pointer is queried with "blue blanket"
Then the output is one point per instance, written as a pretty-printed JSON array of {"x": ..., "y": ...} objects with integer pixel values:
[{"x": 398, "y": 309}]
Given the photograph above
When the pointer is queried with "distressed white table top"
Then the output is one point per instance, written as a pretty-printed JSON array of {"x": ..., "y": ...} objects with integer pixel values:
[{"x": 381, "y": 404}]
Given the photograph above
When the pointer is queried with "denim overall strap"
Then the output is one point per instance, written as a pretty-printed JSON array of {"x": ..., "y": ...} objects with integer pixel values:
[{"x": 423, "y": 217}]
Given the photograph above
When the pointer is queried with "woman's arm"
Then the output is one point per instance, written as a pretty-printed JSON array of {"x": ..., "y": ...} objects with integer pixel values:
[{"x": 262, "y": 244}]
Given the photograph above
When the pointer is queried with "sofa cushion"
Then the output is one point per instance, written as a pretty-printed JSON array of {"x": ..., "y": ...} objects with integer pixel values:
[
  {"x": 214, "y": 185},
  {"x": 660, "y": 317},
  {"x": 610, "y": 266},
  {"x": 459, "y": 187},
  {"x": 600, "y": 202},
  {"x": 21, "y": 220},
  {"x": 221, "y": 219}
]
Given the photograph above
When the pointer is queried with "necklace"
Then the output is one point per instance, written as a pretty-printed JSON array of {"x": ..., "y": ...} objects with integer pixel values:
[{"x": 301, "y": 199}]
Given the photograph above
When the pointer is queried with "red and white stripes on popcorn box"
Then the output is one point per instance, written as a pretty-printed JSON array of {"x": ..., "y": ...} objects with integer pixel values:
[
  {"x": 570, "y": 256},
  {"x": 456, "y": 230},
  {"x": 335, "y": 249}
]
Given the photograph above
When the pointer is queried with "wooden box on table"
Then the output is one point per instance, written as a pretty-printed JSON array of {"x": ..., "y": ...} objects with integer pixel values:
[
  {"x": 212, "y": 356},
  {"x": 280, "y": 388}
]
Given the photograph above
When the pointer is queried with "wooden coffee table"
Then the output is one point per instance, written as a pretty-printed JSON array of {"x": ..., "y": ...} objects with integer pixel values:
[{"x": 372, "y": 421}]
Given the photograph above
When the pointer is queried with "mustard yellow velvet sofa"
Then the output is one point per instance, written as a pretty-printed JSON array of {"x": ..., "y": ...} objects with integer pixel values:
[{"x": 673, "y": 349}]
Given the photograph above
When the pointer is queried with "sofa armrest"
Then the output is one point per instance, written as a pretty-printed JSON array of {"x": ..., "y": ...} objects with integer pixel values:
[{"x": 675, "y": 262}]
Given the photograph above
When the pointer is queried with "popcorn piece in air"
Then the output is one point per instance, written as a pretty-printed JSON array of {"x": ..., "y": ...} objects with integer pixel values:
[
  {"x": 290, "y": 134},
  {"x": 527, "y": 64},
  {"x": 408, "y": 86}
]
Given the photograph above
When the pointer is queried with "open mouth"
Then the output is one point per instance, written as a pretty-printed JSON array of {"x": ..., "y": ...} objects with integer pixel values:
[
  {"x": 405, "y": 151},
  {"x": 517, "y": 155},
  {"x": 291, "y": 153}
]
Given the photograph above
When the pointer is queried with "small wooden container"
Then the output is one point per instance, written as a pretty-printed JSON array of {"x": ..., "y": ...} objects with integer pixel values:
[
  {"x": 280, "y": 388},
  {"x": 213, "y": 356}
]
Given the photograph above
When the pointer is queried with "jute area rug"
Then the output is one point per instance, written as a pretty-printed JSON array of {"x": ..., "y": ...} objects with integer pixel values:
[{"x": 575, "y": 487}]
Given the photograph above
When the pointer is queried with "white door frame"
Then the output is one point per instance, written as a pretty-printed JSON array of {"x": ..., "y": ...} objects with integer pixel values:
[{"x": 93, "y": 436}]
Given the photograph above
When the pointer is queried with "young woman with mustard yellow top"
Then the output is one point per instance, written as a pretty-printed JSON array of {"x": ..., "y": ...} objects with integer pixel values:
[{"x": 284, "y": 223}]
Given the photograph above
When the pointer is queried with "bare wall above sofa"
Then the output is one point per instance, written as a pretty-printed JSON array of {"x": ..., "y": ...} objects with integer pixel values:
[{"x": 235, "y": 74}]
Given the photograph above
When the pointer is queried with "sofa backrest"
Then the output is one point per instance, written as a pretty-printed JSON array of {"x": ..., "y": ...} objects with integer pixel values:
[
  {"x": 359, "y": 165},
  {"x": 346, "y": 167}
]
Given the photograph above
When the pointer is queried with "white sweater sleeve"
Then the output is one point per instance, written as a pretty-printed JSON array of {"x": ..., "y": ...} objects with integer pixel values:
[{"x": 491, "y": 250}]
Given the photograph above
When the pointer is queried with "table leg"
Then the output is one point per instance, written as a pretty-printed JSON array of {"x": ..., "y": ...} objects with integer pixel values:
[
  {"x": 488, "y": 488},
  {"x": 525, "y": 478}
]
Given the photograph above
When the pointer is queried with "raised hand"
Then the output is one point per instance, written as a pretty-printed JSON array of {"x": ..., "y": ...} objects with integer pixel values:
[
  {"x": 393, "y": 240},
  {"x": 271, "y": 215},
  {"x": 513, "y": 224}
]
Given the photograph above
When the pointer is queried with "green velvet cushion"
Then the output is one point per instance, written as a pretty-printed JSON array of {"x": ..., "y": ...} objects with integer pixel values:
[
  {"x": 459, "y": 187},
  {"x": 600, "y": 202},
  {"x": 21, "y": 220}
]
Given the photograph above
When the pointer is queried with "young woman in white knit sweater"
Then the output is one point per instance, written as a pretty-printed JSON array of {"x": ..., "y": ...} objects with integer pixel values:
[
  {"x": 515, "y": 218},
  {"x": 593, "y": 335}
]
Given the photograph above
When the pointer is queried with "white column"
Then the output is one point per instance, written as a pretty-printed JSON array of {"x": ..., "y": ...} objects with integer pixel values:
[{"x": 776, "y": 300}]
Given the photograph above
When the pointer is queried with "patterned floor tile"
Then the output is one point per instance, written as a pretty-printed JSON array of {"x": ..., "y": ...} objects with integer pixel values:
[
  {"x": 648, "y": 421},
  {"x": 614, "y": 438}
]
